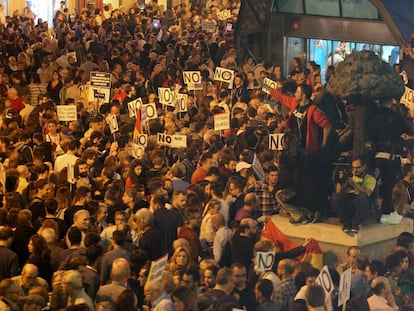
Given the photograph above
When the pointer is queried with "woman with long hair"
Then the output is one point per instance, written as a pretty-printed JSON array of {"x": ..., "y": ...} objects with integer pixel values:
[
  {"x": 40, "y": 256},
  {"x": 54, "y": 87},
  {"x": 136, "y": 174},
  {"x": 184, "y": 299},
  {"x": 180, "y": 260}
]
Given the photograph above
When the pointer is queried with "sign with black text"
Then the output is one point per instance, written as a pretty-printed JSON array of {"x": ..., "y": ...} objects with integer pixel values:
[
  {"x": 166, "y": 96},
  {"x": 100, "y": 79},
  {"x": 276, "y": 141},
  {"x": 209, "y": 26},
  {"x": 182, "y": 102},
  {"x": 324, "y": 279},
  {"x": 344, "y": 287},
  {"x": 133, "y": 106},
  {"x": 172, "y": 141},
  {"x": 66, "y": 112},
  {"x": 408, "y": 100},
  {"x": 265, "y": 261},
  {"x": 148, "y": 112},
  {"x": 193, "y": 80},
  {"x": 221, "y": 121},
  {"x": 157, "y": 269},
  {"x": 223, "y": 15},
  {"x": 113, "y": 124},
  {"x": 224, "y": 75},
  {"x": 141, "y": 140},
  {"x": 269, "y": 85},
  {"x": 99, "y": 94}
]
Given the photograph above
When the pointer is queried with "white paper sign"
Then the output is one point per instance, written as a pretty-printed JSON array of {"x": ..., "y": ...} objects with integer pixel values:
[
  {"x": 223, "y": 15},
  {"x": 182, "y": 102},
  {"x": 113, "y": 123},
  {"x": 137, "y": 151},
  {"x": 345, "y": 287},
  {"x": 133, "y": 106},
  {"x": 148, "y": 112},
  {"x": 66, "y": 112},
  {"x": 265, "y": 261},
  {"x": 269, "y": 85},
  {"x": 209, "y": 26},
  {"x": 99, "y": 94},
  {"x": 157, "y": 269},
  {"x": 172, "y": 141},
  {"x": 191, "y": 77},
  {"x": 276, "y": 141},
  {"x": 324, "y": 279},
  {"x": 224, "y": 75},
  {"x": 141, "y": 140},
  {"x": 221, "y": 121},
  {"x": 166, "y": 96}
]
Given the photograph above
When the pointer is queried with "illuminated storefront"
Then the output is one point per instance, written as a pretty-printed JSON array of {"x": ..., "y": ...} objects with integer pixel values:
[{"x": 324, "y": 30}]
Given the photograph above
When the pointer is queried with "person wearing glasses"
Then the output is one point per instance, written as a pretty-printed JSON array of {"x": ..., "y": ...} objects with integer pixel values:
[{"x": 354, "y": 197}]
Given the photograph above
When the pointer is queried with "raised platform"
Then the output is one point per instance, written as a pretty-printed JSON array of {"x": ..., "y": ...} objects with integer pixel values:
[{"x": 375, "y": 240}]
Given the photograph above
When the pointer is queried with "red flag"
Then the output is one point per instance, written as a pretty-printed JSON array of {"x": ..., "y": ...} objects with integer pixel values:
[
  {"x": 138, "y": 125},
  {"x": 313, "y": 252}
]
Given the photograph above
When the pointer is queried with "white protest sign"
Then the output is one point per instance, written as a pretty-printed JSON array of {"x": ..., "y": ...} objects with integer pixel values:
[
  {"x": 166, "y": 96},
  {"x": 157, "y": 269},
  {"x": 182, "y": 102},
  {"x": 209, "y": 26},
  {"x": 148, "y": 112},
  {"x": 66, "y": 113},
  {"x": 344, "y": 287},
  {"x": 276, "y": 141},
  {"x": 193, "y": 80},
  {"x": 408, "y": 100},
  {"x": 172, "y": 141},
  {"x": 223, "y": 15},
  {"x": 100, "y": 94},
  {"x": 71, "y": 173},
  {"x": 133, "y": 106},
  {"x": 224, "y": 75},
  {"x": 221, "y": 121},
  {"x": 324, "y": 279},
  {"x": 113, "y": 123},
  {"x": 265, "y": 261},
  {"x": 141, "y": 140},
  {"x": 269, "y": 85}
]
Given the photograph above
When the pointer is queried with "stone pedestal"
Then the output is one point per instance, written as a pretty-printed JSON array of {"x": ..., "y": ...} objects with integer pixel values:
[{"x": 375, "y": 240}]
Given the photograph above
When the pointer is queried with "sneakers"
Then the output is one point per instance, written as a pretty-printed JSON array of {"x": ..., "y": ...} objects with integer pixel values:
[
  {"x": 356, "y": 229},
  {"x": 316, "y": 217},
  {"x": 392, "y": 219},
  {"x": 347, "y": 230}
]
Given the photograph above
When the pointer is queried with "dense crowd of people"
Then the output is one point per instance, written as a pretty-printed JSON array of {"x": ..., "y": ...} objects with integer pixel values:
[{"x": 87, "y": 207}]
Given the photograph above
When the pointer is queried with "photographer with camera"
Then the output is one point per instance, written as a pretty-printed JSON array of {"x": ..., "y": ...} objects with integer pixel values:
[{"x": 353, "y": 198}]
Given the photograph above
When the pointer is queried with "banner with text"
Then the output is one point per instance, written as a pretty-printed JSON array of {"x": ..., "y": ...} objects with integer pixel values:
[
  {"x": 221, "y": 121},
  {"x": 224, "y": 75},
  {"x": 66, "y": 113},
  {"x": 172, "y": 141}
]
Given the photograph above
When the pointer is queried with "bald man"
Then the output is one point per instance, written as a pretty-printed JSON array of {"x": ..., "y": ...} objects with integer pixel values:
[
  {"x": 120, "y": 273},
  {"x": 28, "y": 279},
  {"x": 382, "y": 298}
]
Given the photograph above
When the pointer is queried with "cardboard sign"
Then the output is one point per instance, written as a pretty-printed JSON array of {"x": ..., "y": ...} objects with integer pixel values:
[
  {"x": 276, "y": 141},
  {"x": 100, "y": 79},
  {"x": 182, "y": 102},
  {"x": 141, "y": 140},
  {"x": 172, "y": 141},
  {"x": 157, "y": 269},
  {"x": 224, "y": 75},
  {"x": 113, "y": 124},
  {"x": 208, "y": 26},
  {"x": 265, "y": 261},
  {"x": 324, "y": 279},
  {"x": 221, "y": 121},
  {"x": 148, "y": 112},
  {"x": 344, "y": 287},
  {"x": 133, "y": 106},
  {"x": 223, "y": 15},
  {"x": 269, "y": 85},
  {"x": 99, "y": 94},
  {"x": 66, "y": 113},
  {"x": 166, "y": 96}
]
